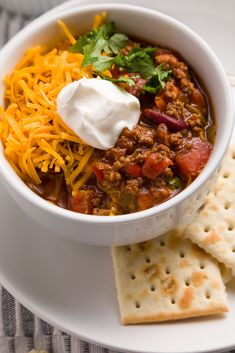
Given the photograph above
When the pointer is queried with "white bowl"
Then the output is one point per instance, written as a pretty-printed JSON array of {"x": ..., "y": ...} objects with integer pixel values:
[{"x": 151, "y": 26}]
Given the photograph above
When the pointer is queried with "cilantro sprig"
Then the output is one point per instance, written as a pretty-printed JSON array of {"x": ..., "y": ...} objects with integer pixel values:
[
  {"x": 157, "y": 81},
  {"x": 141, "y": 61},
  {"x": 102, "y": 48},
  {"x": 137, "y": 60},
  {"x": 89, "y": 39},
  {"x": 96, "y": 43}
]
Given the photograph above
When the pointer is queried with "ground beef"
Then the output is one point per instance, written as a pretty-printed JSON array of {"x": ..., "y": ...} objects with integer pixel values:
[
  {"x": 171, "y": 90},
  {"x": 141, "y": 134},
  {"x": 175, "y": 109},
  {"x": 187, "y": 86},
  {"x": 171, "y": 62},
  {"x": 194, "y": 120},
  {"x": 162, "y": 134},
  {"x": 125, "y": 143},
  {"x": 176, "y": 139}
]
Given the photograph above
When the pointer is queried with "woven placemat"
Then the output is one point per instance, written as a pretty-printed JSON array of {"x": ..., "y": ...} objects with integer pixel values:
[{"x": 20, "y": 330}]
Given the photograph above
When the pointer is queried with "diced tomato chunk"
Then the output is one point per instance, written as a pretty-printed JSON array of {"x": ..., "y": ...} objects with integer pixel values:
[
  {"x": 145, "y": 200},
  {"x": 160, "y": 103},
  {"x": 97, "y": 170},
  {"x": 155, "y": 165},
  {"x": 155, "y": 195},
  {"x": 198, "y": 98},
  {"x": 192, "y": 160},
  {"x": 133, "y": 170},
  {"x": 138, "y": 85},
  {"x": 81, "y": 202}
]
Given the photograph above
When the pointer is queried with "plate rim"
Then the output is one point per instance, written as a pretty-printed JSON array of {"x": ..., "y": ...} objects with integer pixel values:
[
  {"x": 42, "y": 315},
  {"x": 39, "y": 312}
]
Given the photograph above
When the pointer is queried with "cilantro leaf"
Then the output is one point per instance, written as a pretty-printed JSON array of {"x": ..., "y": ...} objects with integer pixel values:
[
  {"x": 98, "y": 41},
  {"x": 107, "y": 29},
  {"x": 90, "y": 38},
  {"x": 82, "y": 41},
  {"x": 143, "y": 67},
  {"x": 117, "y": 42},
  {"x": 92, "y": 44},
  {"x": 138, "y": 60},
  {"x": 92, "y": 55},
  {"x": 157, "y": 81},
  {"x": 162, "y": 74},
  {"x": 92, "y": 51},
  {"x": 152, "y": 86},
  {"x": 102, "y": 63}
]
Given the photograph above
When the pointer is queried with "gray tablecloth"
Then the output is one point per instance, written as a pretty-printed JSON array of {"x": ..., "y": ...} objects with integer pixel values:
[{"x": 20, "y": 330}]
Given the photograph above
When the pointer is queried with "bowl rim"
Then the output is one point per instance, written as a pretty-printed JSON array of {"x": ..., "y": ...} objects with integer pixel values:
[{"x": 14, "y": 181}]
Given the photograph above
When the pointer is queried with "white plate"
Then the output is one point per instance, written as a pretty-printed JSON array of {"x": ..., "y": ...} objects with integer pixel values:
[{"x": 72, "y": 286}]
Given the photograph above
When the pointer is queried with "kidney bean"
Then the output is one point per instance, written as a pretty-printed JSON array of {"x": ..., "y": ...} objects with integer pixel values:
[{"x": 157, "y": 118}]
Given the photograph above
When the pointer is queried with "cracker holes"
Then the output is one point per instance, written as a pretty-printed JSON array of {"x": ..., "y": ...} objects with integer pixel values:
[
  {"x": 226, "y": 175},
  {"x": 233, "y": 250},
  {"x": 147, "y": 260},
  {"x": 201, "y": 208},
  {"x": 208, "y": 295},
  {"x": 182, "y": 254},
  {"x": 137, "y": 305},
  {"x": 133, "y": 276},
  {"x": 230, "y": 227},
  {"x": 152, "y": 288},
  {"x": 162, "y": 243},
  {"x": 187, "y": 283},
  {"x": 206, "y": 229},
  {"x": 173, "y": 301},
  {"x": 128, "y": 248},
  {"x": 202, "y": 266},
  {"x": 167, "y": 271},
  {"x": 227, "y": 205},
  {"x": 233, "y": 155}
]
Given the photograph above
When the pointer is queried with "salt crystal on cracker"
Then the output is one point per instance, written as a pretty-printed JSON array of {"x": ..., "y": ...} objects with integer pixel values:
[
  {"x": 167, "y": 278},
  {"x": 214, "y": 228}
]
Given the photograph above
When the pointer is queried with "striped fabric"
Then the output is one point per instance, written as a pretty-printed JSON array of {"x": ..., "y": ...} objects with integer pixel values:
[
  {"x": 31, "y": 7},
  {"x": 20, "y": 330}
]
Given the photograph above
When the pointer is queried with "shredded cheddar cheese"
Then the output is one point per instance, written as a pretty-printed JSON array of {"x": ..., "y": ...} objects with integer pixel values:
[
  {"x": 67, "y": 32},
  {"x": 99, "y": 19},
  {"x": 35, "y": 139}
]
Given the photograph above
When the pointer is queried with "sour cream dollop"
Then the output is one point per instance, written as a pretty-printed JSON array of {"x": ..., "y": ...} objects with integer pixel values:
[{"x": 97, "y": 111}]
